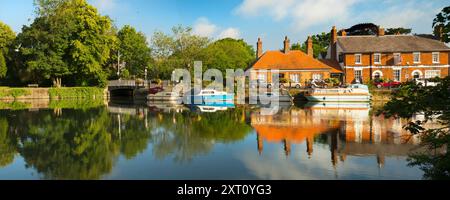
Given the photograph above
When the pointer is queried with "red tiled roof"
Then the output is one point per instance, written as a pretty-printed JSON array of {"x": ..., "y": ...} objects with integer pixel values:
[{"x": 294, "y": 60}]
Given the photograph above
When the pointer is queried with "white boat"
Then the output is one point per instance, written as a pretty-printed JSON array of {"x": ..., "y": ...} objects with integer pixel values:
[
  {"x": 165, "y": 96},
  {"x": 274, "y": 95},
  {"x": 353, "y": 93},
  {"x": 208, "y": 96}
]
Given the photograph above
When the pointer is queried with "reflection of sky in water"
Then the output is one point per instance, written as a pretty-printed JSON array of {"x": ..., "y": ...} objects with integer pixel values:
[
  {"x": 177, "y": 148},
  {"x": 242, "y": 161}
]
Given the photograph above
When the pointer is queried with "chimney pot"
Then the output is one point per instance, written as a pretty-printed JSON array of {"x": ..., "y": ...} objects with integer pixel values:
[
  {"x": 380, "y": 31},
  {"x": 259, "y": 50},
  {"x": 310, "y": 50},
  {"x": 343, "y": 33},
  {"x": 286, "y": 45}
]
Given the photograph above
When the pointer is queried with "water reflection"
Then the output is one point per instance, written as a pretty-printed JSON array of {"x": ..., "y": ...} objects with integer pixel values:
[{"x": 96, "y": 142}]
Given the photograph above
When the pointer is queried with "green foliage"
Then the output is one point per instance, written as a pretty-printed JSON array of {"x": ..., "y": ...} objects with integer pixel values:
[
  {"x": 399, "y": 30},
  {"x": 15, "y": 105},
  {"x": 78, "y": 104},
  {"x": 321, "y": 42},
  {"x": 7, "y": 37},
  {"x": 434, "y": 104},
  {"x": 68, "y": 39},
  {"x": 332, "y": 81},
  {"x": 228, "y": 54},
  {"x": 442, "y": 23},
  {"x": 13, "y": 92},
  {"x": 3, "y": 67},
  {"x": 76, "y": 93},
  {"x": 134, "y": 50},
  {"x": 7, "y": 144},
  {"x": 176, "y": 51}
]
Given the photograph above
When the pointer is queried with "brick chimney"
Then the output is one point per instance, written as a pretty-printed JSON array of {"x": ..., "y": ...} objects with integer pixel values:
[
  {"x": 309, "y": 49},
  {"x": 287, "y": 46},
  {"x": 333, "y": 41},
  {"x": 259, "y": 50},
  {"x": 380, "y": 31}
]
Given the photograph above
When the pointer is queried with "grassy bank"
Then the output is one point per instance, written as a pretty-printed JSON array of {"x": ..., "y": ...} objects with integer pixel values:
[
  {"x": 76, "y": 93},
  {"x": 15, "y": 93}
]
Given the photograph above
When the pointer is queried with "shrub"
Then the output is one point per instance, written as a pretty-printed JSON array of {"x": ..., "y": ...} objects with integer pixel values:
[{"x": 76, "y": 93}]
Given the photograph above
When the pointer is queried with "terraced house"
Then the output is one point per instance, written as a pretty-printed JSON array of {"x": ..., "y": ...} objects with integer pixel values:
[{"x": 390, "y": 57}]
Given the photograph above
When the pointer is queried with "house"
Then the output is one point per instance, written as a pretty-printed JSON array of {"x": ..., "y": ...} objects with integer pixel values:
[
  {"x": 389, "y": 57},
  {"x": 295, "y": 66}
]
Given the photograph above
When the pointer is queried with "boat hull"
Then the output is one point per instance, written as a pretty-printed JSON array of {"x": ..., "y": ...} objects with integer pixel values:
[
  {"x": 338, "y": 98},
  {"x": 202, "y": 99}
]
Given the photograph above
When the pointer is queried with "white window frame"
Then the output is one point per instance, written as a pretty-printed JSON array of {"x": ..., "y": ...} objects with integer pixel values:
[
  {"x": 399, "y": 74},
  {"x": 400, "y": 61},
  {"x": 360, "y": 59},
  {"x": 295, "y": 78},
  {"x": 438, "y": 57},
  {"x": 414, "y": 57},
  {"x": 262, "y": 77},
  {"x": 427, "y": 73},
  {"x": 360, "y": 75},
  {"x": 314, "y": 76},
  {"x": 379, "y": 57}
]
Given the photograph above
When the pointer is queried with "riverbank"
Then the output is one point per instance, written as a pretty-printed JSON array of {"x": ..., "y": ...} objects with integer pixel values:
[{"x": 14, "y": 94}]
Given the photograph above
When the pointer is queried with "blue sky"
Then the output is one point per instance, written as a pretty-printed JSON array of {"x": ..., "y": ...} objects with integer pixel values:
[{"x": 249, "y": 19}]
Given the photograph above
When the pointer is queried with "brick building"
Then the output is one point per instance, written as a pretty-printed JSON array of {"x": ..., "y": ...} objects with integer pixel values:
[
  {"x": 391, "y": 57},
  {"x": 293, "y": 65}
]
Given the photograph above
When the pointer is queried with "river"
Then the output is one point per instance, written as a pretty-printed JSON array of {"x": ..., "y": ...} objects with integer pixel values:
[{"x": 91, "y": 140}]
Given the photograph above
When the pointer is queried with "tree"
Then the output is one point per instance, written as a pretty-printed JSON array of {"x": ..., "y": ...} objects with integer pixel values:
[
  {"x": 321, "y": 42},
  {"x": 441, "y": 24},
  {"x": 134, "y": 50},
  {"x": 399, "y": 30},
  {"x": 363, "y": 29},
  {"x": 67, "y": 39},
  {"x": 434, "y": 104},
  {"x": 178, "y": 50},
  {"x": 228, "y": 53},
  {"x": 7, "y": 37}
]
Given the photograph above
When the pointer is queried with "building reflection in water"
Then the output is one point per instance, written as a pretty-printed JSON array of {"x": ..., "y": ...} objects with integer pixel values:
[{"x": 348, "y": 129}]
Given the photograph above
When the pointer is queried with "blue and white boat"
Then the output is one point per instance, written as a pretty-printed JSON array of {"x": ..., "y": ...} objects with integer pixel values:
[
  {"x": 208, "y": 96},
  {"x": 353, "y": 93}
]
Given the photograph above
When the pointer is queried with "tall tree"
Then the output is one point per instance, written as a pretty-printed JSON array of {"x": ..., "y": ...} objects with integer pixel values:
[
  {"x": 178, "y": 50},
  {"x": 228, "y": 54},
  {"x": 67, "y": 39},
  {"x": 441, "y": 24},
  {"x": 134, "y": 50},
  {"x": 7, "y": 37},
  {"x": 362, "y": 29}
]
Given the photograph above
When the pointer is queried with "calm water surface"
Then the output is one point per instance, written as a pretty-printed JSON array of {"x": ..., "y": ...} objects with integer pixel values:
[{"x": 83, "y": 140}]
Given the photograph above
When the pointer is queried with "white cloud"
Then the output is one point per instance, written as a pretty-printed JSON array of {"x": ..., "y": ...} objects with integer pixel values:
[
  {"x": 230, "y": 33},
  {"x": 303, "y": 14},
  {"x": 204, "y": 28},
  {"x": 105, "y": 4},
  {"x": 278, "y": 9}
]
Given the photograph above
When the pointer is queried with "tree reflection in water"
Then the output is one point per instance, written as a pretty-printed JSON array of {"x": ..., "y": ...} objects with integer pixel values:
[{"x": 86, "y": 143}]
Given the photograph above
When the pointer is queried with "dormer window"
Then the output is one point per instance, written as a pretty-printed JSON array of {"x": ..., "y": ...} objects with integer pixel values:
[
  {"x": 416, "y": 57},
  {"x": 377, "y": 58},
  {"x": 358, "y": 59}
]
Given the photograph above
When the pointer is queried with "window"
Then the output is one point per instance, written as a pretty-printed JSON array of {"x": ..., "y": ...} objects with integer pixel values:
[
  {"x": 358, "y": 76},
  {"x": 358, "y": 58},
  {"x": 295, "y": 78},
  {"x": 377, "y": 75},
  {"x": 397, "y": 74},
  {"x": 416, "y": 57},
  {"x": 397, "y": 58},
  {"x": 416, "y": 75},
  {"x": 317, "y": 76},
  {"x": 261, "y": 77},
  {"x": 432, "y": 73},
  {"x": 377, "y": 58},
  {"x": 435, "y": 57},
  {"x": 341, "y": 58}
]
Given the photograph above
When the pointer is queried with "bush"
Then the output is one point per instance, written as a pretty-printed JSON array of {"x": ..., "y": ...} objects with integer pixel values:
[
  {"x": 76, "y": 93},
  {"x": 13, "y": 92}
]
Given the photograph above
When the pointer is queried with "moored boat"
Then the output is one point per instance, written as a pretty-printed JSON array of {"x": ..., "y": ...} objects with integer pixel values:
[
  {"x": 280, "y": 96},
  {"x": 165, "y": 96},
  {"x": 208, "y": 96},
  {"x": 353, "y": 93}
]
